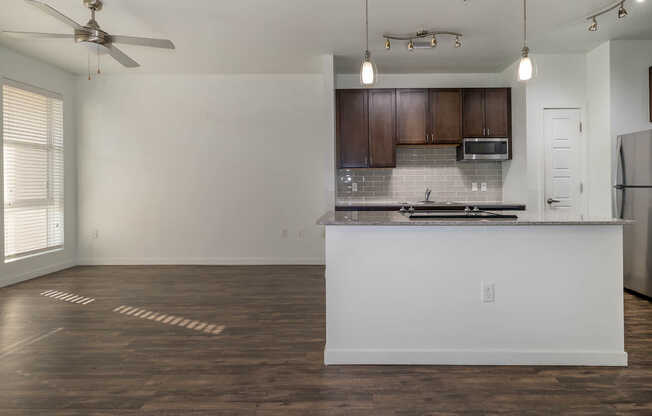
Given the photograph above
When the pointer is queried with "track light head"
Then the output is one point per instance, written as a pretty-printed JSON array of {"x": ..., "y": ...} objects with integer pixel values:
[
  {"x": 622, "y": 12},
  {"x": 411, "y": 45},
  {"x": 594, "y": 25},
  {"x": 433, "y": 42},
  {"x": 458, "y": 43},
  {"x": 388, "y": 45}
]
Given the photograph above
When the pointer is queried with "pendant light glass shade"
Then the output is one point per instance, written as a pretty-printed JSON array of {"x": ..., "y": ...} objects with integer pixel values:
[
  {"x": 525, "y": 69},
  {"x": 368, "y": 72},
  {"x": 525, "y": 66}
]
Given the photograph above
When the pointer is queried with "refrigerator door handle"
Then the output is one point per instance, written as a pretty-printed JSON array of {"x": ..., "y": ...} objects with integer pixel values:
[{"x": 620, "y": 187}]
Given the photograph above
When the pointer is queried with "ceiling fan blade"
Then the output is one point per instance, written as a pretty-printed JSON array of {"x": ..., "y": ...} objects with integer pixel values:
[
  {"x": 120, "y": 56},
  {"x": 154, "y": 43},
  {"x": 54, "y": 13},
  {"x": 35, "y": 35}
]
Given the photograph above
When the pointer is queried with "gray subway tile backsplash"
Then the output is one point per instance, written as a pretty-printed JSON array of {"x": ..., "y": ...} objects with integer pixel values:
[{"x": 418, "y": 168}]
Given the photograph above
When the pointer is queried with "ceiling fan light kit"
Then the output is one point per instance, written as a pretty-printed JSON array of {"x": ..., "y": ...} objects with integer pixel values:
[{"x": 91, "y": 34}]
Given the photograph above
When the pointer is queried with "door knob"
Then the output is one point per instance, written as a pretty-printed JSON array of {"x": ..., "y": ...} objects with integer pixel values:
[{"x": 552, "y": 201}]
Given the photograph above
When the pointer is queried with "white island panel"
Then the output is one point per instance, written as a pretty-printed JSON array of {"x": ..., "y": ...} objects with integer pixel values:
[{"x": 413, "y": 295}]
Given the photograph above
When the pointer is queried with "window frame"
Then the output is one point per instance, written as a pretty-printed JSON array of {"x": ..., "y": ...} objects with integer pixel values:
[{"x": 50, "y": 148}]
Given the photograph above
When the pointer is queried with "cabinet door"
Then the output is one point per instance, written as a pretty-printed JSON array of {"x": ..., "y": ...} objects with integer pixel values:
[
  {"x": 446, "y": 115},
  {"x": 473, "y": 112},
  {"x": 353, "y": 128},
  {"x": 497, "y": 112},
  {"x": 382, "y": 128},
  {"x": 412, "y": 116}
]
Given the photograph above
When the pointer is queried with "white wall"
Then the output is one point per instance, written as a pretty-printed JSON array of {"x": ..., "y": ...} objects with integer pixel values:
[
  {"x": 515, "y": 182},
  {"x": 630, "y": 61},
  {"x": 207, "y": 169},
  {"x": 599, "y": 148},
  {"x": 560, "y": 83},
  {"x": 31, "y": 71}
]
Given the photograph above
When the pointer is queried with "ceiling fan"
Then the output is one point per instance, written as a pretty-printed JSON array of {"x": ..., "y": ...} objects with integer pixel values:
[{"x": 91, "y": 33}]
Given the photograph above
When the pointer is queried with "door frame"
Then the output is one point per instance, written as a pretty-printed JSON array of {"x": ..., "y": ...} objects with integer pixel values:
[{"x": 583, "y": 149}]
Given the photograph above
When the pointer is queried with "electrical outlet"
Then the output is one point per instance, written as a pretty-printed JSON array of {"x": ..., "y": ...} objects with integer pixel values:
[
  {"x": 96, "y": 234},
  {"x": 483, "y": 187},
  {"x": 474, "y": 186},
  {"x": 488, "y": 292},
  {"x": 354, "y": 187}
]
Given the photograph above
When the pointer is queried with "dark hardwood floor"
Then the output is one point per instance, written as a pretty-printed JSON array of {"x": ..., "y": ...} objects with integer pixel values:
[{"x": 266, "y": 360}]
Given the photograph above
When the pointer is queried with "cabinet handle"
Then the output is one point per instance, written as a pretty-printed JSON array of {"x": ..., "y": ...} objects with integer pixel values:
[
  {"x": 426, "y": 138},
  {"x": 366, "y": 161},
  {"x": 488, "y": 131},
  {"x": 432, "y": 138}
]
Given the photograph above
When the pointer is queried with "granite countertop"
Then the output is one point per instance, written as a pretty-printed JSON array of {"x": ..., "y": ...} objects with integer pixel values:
[
  {"x": 392, "y": 218},
  {"x": 384, "y": 205},
  {"x": 383, "y": 202}
]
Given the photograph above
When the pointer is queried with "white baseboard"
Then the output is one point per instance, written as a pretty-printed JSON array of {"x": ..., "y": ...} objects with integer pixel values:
[
  {"x": 466, "y": 357},
  {"x": 202, "y": 261},
  {"x": 6, "y": 281}
]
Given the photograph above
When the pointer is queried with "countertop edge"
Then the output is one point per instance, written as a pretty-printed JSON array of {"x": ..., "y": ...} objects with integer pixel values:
[{"x": 393, "y": 220}]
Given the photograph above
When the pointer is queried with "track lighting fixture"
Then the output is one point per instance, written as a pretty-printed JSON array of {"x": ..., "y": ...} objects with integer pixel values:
[
  {"x": 368, "y": 71},
  {"x": 622, "y": 12},
  {"x": 594, "y": 25},
  {"x": 388, "y": 45},
  {"x": 419, "y": 40}
]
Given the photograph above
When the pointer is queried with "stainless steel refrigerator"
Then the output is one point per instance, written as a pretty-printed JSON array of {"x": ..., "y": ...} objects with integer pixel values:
[{"x": 633, "y": 200}]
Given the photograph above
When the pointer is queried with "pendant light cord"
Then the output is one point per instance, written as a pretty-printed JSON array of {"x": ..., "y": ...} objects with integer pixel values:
[
  {"x": 366, "y": 23},
  {"x": 524, "y": 23}
]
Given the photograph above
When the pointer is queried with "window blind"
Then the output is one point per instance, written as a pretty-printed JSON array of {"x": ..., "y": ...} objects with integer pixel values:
[{"x": 32, "y": 138}]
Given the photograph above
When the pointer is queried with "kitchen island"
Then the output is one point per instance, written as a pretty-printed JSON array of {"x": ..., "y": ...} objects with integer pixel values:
[{"x": 522, "y": 291}]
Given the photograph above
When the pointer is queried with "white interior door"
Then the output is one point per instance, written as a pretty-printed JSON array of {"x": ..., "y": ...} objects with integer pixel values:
[{"x": 562, "y": 134}]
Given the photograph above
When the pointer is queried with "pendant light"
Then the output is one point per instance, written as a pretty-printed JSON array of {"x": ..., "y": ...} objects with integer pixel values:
[
  {"x": 368, "y": 71},
  {"x": 525, "y": 66}
]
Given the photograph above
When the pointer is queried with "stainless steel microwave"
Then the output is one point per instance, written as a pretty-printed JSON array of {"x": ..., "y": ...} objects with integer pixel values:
[{"x": 483, "y": 149}]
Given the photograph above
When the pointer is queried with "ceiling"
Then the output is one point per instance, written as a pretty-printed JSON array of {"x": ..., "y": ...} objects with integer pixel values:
[{"x": 287, "y": 36}]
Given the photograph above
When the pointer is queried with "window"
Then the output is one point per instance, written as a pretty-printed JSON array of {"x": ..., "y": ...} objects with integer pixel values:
[{"x": 32, "y": 139}]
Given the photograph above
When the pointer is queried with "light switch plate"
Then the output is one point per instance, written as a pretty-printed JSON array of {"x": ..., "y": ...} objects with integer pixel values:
[
  {"x": 354, "y": 187},
  {"x": 483, "y": 187},
  {"x": 474, "y": 186}
]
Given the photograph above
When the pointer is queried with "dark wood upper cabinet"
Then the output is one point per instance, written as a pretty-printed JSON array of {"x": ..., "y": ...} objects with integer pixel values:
[
  {"x": 353, "y": 128},
  {"x": 487, "y": 112},
  {"x": 473, "y": 112},
  {"x": 371, "y": 122},
  {"x": 382, "y": 128},
  {"x": 497, "y": 112},
  {"x": 411, "y": 116},
  {"x": 446, "y": 116}
]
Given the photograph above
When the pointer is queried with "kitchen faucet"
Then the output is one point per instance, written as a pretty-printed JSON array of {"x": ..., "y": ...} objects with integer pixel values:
[{"x": 428, "y": 191}]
